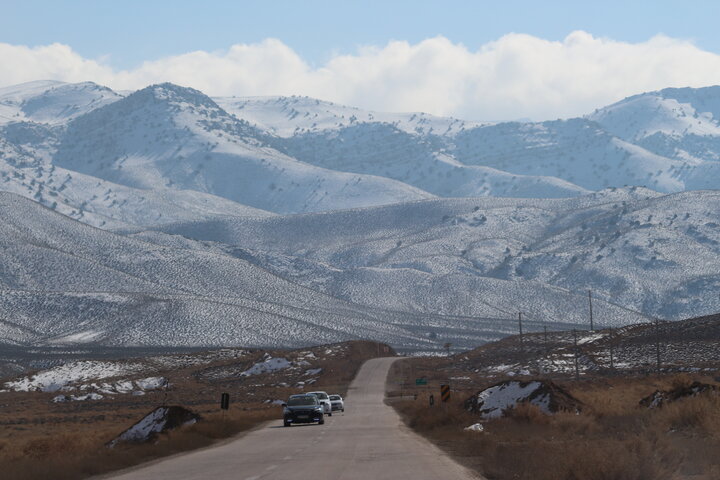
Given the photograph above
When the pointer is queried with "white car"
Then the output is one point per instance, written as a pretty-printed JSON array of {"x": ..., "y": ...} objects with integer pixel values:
[
  {"x": 337, "y": 403},
  {"x": 325, "y": 401}
]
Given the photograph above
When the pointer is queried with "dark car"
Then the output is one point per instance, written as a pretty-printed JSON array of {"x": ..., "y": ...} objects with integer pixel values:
[{"x": 302, "y": 409}]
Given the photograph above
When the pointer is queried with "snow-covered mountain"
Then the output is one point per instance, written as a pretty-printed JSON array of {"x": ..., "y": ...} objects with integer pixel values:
[
  {"x": 167, "y": 136},
  {"x": 63, "y": 281},
  {"x": 680, "y": 124},
  {"x": 635, "y": 249},
  {"x": 52, "y": 102},
  {"x": 290, "y": 116},
  {"x": 297, "y": 154},
  {"x": 420, "y": 160},
  {"x": 235, "y": 218}
]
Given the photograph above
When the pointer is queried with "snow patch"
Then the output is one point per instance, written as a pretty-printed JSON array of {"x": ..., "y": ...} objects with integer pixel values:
[
  {"x": 268, "y": 366},
  {"x": 54, "y": 379},
  {"x": 159, "y": 420},
  {"x": 151, "y": 383},
  {"x": 494, "y": 401},
  {"x": 79, "y": 398}
]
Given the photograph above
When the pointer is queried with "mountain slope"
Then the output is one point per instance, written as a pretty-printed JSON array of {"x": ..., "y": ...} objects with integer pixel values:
[
  {"x": 290, "y": 116},
  {"x": 65, "y": 282},
  {"x": 576, "y": 150},
  {"x": 678, "y": 123},
  {"x": 641, "y": 251},
  {"x": 385, "y": 150},
  {"x": 52, "y": 102},
  {"x": 174, "y": 137},
  {"x": 94, "y": 201},
  {"x": 296, "y": 154}
]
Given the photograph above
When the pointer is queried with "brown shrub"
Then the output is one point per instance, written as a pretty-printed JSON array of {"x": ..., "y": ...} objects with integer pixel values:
[
  {"x": 576, "y": 425},
  {"x": 701, "y": 412},
  {"x": 529, "y": 413},
  {"x": 612, "y": 439}
]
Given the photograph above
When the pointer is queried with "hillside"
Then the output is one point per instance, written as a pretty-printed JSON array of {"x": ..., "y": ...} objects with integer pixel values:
[
  {"x": 481, "y": 257},
  {"x": 63, "y": 282},
  {"x": 289, "y": 116},
  {"x": 167, "y": 136}
]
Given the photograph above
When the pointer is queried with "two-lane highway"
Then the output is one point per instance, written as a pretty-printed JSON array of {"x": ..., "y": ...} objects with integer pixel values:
[{"x": 369, "y": 441}]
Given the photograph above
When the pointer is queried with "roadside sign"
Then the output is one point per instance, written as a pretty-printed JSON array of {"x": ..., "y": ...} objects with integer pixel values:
[
  {"x": 445, "y": 392},
  {"x": 225, "y": 401},
  {"x": 421, "y": 381}
]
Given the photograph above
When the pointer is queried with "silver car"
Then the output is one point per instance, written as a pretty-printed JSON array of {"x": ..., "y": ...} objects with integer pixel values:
[
  {"x": 337, "y": 403},
  {"x": 324, "y": 398}
]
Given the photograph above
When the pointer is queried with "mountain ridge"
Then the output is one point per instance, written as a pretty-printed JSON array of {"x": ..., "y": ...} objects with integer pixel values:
[{"x": 278, "y": 209}]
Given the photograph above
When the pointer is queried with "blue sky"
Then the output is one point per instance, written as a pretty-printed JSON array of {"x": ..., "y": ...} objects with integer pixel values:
[
  {"x": 126, "y": 33},
  {"x": 476, "y": 60}
]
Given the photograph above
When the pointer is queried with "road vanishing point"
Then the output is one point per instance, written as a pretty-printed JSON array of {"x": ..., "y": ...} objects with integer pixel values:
[{"x": 369, "y": 441}]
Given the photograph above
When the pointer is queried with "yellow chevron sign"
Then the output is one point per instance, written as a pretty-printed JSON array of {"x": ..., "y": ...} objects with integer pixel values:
[{"x": 445, "y": 392}]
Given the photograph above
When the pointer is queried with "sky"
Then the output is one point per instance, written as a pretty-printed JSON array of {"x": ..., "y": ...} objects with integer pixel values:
[{"x": 478, "y": 60}]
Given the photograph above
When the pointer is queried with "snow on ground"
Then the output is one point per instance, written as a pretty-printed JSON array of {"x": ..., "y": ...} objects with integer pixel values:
[
  {"x": 591, "y": 338},
  {"x": 56, "y": 378},
  {"x": 493, "y": 401},
  {"x": 151, "y": 383},
  {"x": 159, "y": 420},
  {"x": 70, "y": 377},
  {"x": 77, "y": 398},
  {"x": 152, "y": 423},
  {"x": 267, "y": 366},
  {"x": 475, "y": 427}
]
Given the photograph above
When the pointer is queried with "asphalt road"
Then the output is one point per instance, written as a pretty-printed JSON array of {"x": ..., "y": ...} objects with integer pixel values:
[{"x": 368, "y": 441}]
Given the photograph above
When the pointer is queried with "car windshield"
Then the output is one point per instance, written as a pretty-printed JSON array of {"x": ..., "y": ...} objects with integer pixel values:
[
  {"x": 334, "y": 397},
  {"x": 321, "y": 396},
  {"x": 295, "y": 401}
]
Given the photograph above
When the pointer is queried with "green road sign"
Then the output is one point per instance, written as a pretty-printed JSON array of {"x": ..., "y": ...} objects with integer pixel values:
[{"x": 421, "y": 381}]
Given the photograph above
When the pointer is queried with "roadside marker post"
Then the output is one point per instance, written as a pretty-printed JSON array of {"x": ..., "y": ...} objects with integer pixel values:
[
  {"x": 577, "y": 365},
  {"x": 432, "y": 400},
  {"x": 445, "y": 393},
  {"x": 224, "y": 404}
]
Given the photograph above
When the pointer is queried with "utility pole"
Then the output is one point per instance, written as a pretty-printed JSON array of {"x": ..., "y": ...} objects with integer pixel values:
[
  {"x": 522, "y": 345},
  {"x": 612, "y": 346},
  {"x": 520, "y": 323},
  {"x": 657, "y": 343},
  {"x": 577, "y": 365},
  {"x": 592, "y": 328}
]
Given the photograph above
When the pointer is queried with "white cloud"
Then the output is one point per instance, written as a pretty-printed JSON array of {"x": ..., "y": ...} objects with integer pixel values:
[{"x": 515, "y": 76}]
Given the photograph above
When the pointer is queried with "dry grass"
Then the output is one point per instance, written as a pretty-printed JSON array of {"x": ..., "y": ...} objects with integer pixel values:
[
  {"x": 43, "y": 440},
  {"x": 613, "y": 439},
  {"x": 73, "y": 452}
]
